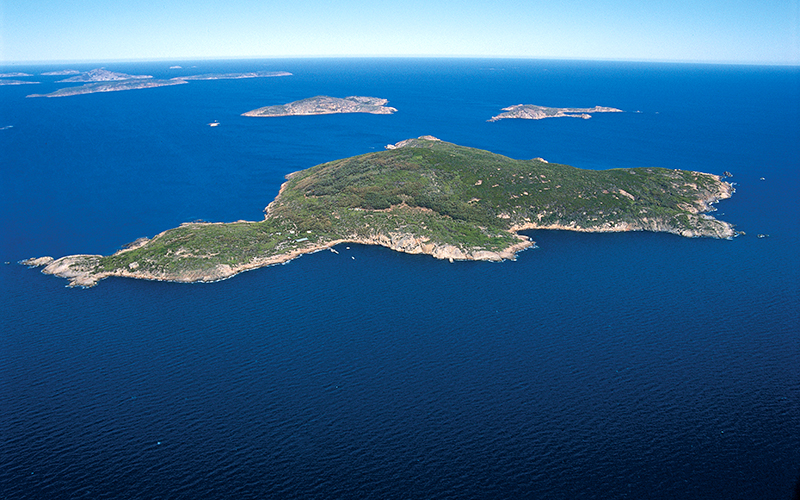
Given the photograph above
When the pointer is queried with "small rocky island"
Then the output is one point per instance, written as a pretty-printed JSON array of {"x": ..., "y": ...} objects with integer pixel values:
[
  {"x": 111, "y": 86},
  {"x": 422, "y": 196},
  {"x": 534, "y": 112},
  {"x": 325, "y": 105}
]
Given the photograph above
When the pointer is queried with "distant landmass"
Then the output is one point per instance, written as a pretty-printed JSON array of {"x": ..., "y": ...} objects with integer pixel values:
[
  {"x": 102, "y": 75},
  {"x": 325, "y": 105},
  {"x": 63, "y": 72},
  {"x": 109, "y": 81},
  {"x": 14, "y": 75},
  {"x": 113, "y": 86},
  {"x": 534, "y": 112},
  {"x": 16, "y": 82},
  {"x": 420, "y": 196},
  {"x": 237, "y": 76}
]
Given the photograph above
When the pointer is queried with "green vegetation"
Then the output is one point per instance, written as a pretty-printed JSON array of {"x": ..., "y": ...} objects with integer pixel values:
[{"x": 427, "y": 196}]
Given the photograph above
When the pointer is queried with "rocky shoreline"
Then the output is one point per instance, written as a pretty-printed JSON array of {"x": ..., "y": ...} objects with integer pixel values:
[{"x": 79, "y": 269}]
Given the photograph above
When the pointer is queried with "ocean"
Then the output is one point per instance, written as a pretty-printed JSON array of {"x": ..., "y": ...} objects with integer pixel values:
[{"x": 595, "y": 366}]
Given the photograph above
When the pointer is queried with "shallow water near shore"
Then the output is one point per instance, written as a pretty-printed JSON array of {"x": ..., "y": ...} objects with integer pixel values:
[{"x": 633, "y": 365}]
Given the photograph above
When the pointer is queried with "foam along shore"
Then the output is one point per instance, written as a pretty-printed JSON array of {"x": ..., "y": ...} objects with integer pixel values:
[{"x": 420, "y": 196}]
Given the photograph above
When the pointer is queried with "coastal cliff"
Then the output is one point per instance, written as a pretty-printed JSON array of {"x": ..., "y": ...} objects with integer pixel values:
[{"x": 420, "y": 196}]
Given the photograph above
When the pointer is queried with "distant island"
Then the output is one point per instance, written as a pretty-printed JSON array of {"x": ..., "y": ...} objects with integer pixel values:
[
  {"x": 420, "y": 196},
  {"x": 112, "y": 86},
  {"x": 325, "y": 105},
  {"x": 14, "y": 75},
  {"x": 16, "y": 82},
  {"x": 109, "y": 81},
  {"x": 102, "y": 75},
  {"x": 63, "y": 72},
  {"x": 533, "y": 112},
  {"x": 236, "y": 76}
]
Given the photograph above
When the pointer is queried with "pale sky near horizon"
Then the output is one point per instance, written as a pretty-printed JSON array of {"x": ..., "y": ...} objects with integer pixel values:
[{"x": 732, "y": 31}]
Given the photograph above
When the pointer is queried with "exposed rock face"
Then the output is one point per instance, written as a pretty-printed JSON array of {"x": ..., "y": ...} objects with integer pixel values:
[
  {"x": 411, "y": 142},
  {"x": 325, "y": 105},
  {"x": 78, "y": 269},
  {"x": 36, "y": 262},
  {"x": 408, "y": 243},
  {"x": 533, "y": 112}
]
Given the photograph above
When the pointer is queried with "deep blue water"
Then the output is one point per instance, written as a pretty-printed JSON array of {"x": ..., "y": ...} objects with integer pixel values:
[{"x": 596, "y": 366}]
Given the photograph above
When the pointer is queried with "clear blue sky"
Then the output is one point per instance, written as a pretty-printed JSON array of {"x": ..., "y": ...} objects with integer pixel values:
[{"x": 734, "y": 31}]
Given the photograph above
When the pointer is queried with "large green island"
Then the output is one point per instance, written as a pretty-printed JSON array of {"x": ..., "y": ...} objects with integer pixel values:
[{"x": 420, "y": 196}]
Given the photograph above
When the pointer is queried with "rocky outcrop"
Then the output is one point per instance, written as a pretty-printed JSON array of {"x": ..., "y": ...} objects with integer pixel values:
[
  {"x": 411, "y": 244},
  {"x": 411, "y": 142}
]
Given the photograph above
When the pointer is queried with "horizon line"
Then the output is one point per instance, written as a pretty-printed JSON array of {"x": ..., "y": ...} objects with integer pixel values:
[{"x": 396, "y": 56}]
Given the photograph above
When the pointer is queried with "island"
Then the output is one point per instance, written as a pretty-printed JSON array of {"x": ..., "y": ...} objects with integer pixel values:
[
  {"x": 103, "y": 75},
  {"x": 236, "y": 76},
  {"x": 420, "y": 196},
  {"x": 325, "y": 105},
  {"x": 16, "y": 82},
  {"x": 534, "y": 112},
  {"x": 62, "y": 72},
  {"x": 108, "y": 81},
  {"x": 14, "y": 75},
  {"x": 113, "y": 86}
]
